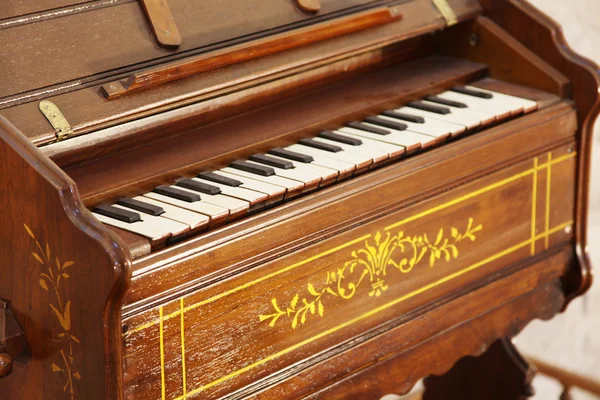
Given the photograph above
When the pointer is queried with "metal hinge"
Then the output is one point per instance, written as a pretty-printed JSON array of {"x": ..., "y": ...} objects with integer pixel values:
[
  {"x": 56, "y": 119},
  {"x": 447, "y": 11}
]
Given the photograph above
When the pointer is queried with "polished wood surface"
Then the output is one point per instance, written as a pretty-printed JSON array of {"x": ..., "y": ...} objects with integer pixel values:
[
  {"x": 351, "y": 292},
  {"x": 250, "y": 51}
]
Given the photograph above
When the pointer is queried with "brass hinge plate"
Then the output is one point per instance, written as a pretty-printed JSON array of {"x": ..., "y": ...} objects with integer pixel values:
[
  {"x": 447, "y": 11},
  {"x": 56, "y": 119}
]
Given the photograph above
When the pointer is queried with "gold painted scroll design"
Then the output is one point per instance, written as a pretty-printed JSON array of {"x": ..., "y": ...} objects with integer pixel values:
[
  {"x": 53, "y": 275},
  {"x": 372, "y": 263}
]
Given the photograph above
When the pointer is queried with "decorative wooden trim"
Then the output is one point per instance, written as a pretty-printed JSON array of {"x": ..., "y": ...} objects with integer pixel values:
[{"x": 249, "y": 51}]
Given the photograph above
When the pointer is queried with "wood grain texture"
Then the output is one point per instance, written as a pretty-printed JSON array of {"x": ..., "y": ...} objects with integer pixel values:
[
  {"x": 162, "y": 23},
  {"x": 248, "y": 51},
  {"x": 544, "y": 36},
  {"x": 69, "y": 301},
  {"x": 509, "y": 60}
]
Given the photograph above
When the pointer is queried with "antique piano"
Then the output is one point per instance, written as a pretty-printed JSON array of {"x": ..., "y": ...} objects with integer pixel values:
[{"x": 287, "y": 198}]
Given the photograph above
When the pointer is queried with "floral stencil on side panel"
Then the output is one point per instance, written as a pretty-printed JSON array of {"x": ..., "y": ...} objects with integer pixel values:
[{"x": 55, "y": 274}]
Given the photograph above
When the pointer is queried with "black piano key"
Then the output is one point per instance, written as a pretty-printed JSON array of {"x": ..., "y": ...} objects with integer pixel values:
[
  {"x": 429, "y": 107},
  {"x": 471, "y": 92},
  {"x": 262, "y": 170},
  {"x": 141, "y": 206},
  {"x": 118, "y": 213},
  {"x": 176, "y": 193},
  {"x": 368, "y": 128},
  {"x": 340, "y": 138},
  {"x": 196, "y": 186},
  {"x": 386, "y": 123},
  {"x": 292, "y": 155},
  {"x": 320, "y": 145},
  {"x": 224, "y": 180},
  {"x": 272, "y": 161},
  {"x": 446, "y": 102},
  {"x": 404, "y": 116}
]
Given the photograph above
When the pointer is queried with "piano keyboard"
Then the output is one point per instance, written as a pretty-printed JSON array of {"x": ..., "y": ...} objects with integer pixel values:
[{"x": 213, "y": 198}]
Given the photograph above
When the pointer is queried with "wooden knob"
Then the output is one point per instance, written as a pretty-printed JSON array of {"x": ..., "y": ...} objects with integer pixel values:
[
  {"x": 6, "y": 365},
  {"x": 309, "y": 5}
]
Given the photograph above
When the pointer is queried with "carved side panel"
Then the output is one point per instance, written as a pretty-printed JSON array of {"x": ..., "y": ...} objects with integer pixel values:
[{"x": 63, "y": 275}]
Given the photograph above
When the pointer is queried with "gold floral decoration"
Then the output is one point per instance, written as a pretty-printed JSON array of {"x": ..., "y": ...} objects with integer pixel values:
[
  {"x": 55, "y": 274},
  {"x": 372, "y": 263}
]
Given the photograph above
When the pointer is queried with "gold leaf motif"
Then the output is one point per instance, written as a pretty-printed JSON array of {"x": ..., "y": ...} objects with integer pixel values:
[
  {"x": 370, "y": 264},
  {"x": 38, "y": 258},
  {"x": 50, "y": 281},
  {"x": 67, "y": 264},
  {"x": 29, "y": 232}
]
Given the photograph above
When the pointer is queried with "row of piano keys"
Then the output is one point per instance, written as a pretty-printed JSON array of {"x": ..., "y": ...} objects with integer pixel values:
[{"x": 213, "y": 198}]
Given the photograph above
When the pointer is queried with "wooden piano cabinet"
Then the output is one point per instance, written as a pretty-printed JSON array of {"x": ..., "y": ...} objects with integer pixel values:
[
  {"x": 351, "y": 292},
  {"x": 62, "y": 274},
  {"x": 302, "y": 308}
]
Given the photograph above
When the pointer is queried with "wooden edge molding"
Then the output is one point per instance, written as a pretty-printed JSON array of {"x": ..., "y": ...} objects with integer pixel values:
[
  {"x": 544, "y": 36},
  {"x": 249, "y": 51},
  {"x": 53, "y": 235}
]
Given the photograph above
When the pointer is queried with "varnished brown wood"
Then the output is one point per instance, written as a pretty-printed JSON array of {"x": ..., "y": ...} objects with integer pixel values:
[
  {"x": 500, "y": 373},
  {"x": 80, "y": 341},
  {"x": 480, "y": 234},
  {"x": 88, "y": 112},
  {"x": 509, "y": 60},
  {"x": 12, "y": 340},
  {"x": 249, "y": 51},
  {"x": 162, "y": 22},
  {"x": 544, "y": 36}
]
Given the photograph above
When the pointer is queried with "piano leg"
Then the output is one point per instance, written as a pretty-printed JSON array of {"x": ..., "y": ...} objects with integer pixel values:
[{"x": 501, "y": 373}]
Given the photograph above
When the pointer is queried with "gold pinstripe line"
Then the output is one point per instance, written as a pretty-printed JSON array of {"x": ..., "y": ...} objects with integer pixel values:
[
  {"x": 534, "y": 204},
  {"x": 548, "y": 183},
  {"x": 162, "y": 354},
  {"x": 378, "y": 309},
  {"x": 183, "y": 370},
  {"x": 315, "y": 257}
]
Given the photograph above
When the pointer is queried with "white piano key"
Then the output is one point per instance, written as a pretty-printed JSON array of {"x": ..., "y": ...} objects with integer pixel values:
[
  {"x": 469, "y": 121},
  {"x": 309, "y": 178},
  {"x": 410, "y": 140},
  {"x": 431, "y": 126},
  {"x": 393, "y": 150},
  {"x": 327, "y": 174},
  {"x": 292, "y": 186},
  {"x": 482, "y": 117},
  {"x": 526, "y": 104},
  {"x": 344, "y": 169},
  {"x": 273, "y": 191},
  {"x": 500, "y": 109},
  {"x": 367, "y": 153},
  {"x": 217, "y": 214},
  {"x": 149, "y": 229},
  {"x": 235, "y": 206},
  {"x": 254, "y": 198},
  {"x": 195, "y": 220},
  {"x": 167, "y": 225},
  {"x": 359, "y": 161}
]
